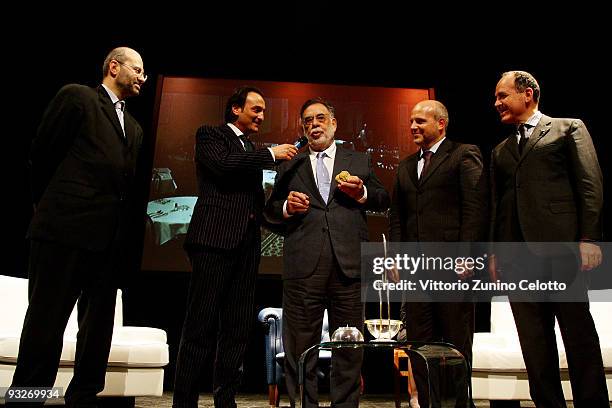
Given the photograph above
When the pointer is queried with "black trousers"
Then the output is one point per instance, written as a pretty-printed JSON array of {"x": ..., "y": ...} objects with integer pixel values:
[
  {"x": 220, "y": 313},
  {"x": 304, "y": 303},
  {"x": 535, "y": 323},
  {"x": 451, "y": 322},
  {"x": 58, "y": 276}
]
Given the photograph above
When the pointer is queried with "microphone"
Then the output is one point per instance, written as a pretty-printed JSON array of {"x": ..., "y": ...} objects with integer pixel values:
[{"x": 301, "y": 142}]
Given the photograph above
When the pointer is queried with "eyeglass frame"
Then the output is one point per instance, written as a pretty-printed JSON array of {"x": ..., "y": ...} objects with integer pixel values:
[
  {"x": 308, "y": 121},
  {"x": 134, "y": 69}
]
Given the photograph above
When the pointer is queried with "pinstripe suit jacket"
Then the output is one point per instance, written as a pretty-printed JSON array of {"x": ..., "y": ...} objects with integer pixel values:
[
  {"x": 342, "y": 217},
  {"x": 230, "y": 189},
  {"x": 448, "y": 204}
]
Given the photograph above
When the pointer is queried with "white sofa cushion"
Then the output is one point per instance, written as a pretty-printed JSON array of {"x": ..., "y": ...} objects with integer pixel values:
[{"x": 131, "y": 346}]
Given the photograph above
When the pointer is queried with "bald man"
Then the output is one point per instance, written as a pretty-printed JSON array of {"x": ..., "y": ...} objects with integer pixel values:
[
  {"x": 440, "y": 195},
  {"x": 83, "y": 163}
]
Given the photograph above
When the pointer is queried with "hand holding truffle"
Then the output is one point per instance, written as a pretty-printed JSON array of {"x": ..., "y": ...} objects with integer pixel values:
[{"x": 350, "y": 185}]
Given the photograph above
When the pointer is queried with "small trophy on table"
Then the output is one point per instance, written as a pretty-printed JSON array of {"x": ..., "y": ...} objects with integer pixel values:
[{"x": 384, "y": 329}]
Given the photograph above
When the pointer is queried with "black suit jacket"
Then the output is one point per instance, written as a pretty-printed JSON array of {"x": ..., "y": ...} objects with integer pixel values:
[
  {"x": 448, "y": 204},
  {"x": 553, "y": 191},
  {"x": 344, "y": 217},
  {"x": 230, "y": 189},
  {"x": 82, "y": 170}
]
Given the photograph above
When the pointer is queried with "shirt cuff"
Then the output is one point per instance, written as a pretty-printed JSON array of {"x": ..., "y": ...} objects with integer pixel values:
[
  {"x": 364, "y": 197},
  {"x": 285, "y": 213},
  {"x": 272, "y": 153}
]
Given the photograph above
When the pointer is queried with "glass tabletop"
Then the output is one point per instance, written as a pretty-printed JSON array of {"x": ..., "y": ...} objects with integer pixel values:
[{"x": 428, "y": 351}]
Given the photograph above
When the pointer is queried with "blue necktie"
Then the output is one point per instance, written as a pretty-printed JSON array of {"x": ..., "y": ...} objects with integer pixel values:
[{"x": 323, "y": 180}]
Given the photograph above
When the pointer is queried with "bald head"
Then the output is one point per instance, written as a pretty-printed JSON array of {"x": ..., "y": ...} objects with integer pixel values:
[
  {"x": 123, "y": 72},
  {"x": 428, "y": 123},
  {"x": 436, "y": 108},
  {"x": 120, "y": 54}
]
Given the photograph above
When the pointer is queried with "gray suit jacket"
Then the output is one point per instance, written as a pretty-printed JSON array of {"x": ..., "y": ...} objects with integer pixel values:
[
  {"x": 553, "y": 191},
  {"x": 344, "y": 217}
]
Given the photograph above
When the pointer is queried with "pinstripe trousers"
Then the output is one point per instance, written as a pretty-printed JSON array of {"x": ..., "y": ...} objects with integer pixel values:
[{"x": 219, "y": 318}]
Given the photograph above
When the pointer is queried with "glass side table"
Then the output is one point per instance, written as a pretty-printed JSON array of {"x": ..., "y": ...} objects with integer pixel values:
[{"x": 445, "y": 353}]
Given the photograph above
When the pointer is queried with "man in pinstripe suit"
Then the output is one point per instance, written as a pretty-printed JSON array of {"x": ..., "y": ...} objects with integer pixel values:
[{"x": 223, "y": 244}]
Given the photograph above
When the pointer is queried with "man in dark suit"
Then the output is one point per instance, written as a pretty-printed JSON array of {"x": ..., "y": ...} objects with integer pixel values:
[
  {"x": 224, "y": 245},
  {"x": 547, "y": 187},
  {"x": 440, "y": 195},
  {"x": 325, "y": 224},
  {"x": 83, "y": 161}
]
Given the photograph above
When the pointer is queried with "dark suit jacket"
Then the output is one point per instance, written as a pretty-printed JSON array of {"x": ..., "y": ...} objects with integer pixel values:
[
  {"x": 345, "y": 217},
  {"x": 448, "y": 204},
  {"x": 82, "y": 170},
  {"x": 553, "y": 191},
  {"x": 230, "y": 189}
]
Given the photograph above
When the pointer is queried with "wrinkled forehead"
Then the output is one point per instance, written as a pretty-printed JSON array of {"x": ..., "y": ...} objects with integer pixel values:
[
  {"x": 315, "y": 109},
  {"x": 134, "y": 58},
  {"x": 506, "y": 83},
  {"x": 255, "y": 99}
]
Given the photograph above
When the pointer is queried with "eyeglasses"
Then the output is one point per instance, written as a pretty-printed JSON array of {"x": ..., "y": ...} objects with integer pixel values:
[
  {"x": 309, "y": 120},
  {"x": 137, "y": 70}
]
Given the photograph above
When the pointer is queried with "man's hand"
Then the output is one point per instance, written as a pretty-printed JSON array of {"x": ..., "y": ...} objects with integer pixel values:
[
  {"x": 392, "y": 274},
  {"x": 468, "y": 270},
  {"x": 352, "y": 187},
  {"x": 297, "y": 203},
  {"x": 284, "y": 151},
  {"x": 590, "y": 255}
]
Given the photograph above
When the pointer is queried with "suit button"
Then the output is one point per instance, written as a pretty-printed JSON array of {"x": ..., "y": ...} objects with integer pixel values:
[{"x": 251, "y": 216}]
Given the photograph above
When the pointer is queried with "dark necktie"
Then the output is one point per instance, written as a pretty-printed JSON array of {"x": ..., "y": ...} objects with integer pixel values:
[
  {"x": 523, "y": 140},
  {"x": 248, "y": 145},
  {"x": 427, "y": 156}
]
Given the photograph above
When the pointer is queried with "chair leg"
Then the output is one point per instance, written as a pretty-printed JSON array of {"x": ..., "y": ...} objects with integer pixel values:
[
  {"x": 276, "y": 396},
  {"x": 361, "y": 384},
  {"x": 396, "y": 376},
  {"x": 412, "y": 388},
  {"x": 273, "y": 396}
]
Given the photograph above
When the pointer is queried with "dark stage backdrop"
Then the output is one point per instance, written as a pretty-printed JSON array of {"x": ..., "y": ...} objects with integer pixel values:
[{"x": 462, "y": 64}]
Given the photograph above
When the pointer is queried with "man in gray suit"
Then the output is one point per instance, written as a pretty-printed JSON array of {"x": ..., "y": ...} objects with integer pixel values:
[
  {"x": 440, "y": 195},
  {"x": 547, "y": 187},
  {"x": 325, "y": 224}
]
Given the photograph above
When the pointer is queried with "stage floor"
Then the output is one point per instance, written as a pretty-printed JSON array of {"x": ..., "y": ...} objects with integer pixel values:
[{"x": 261, "y": 401}]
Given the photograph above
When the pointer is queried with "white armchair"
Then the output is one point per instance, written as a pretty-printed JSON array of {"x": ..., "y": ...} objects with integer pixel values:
[
  {"x": 498, "y": 368},
  {"x": 137, "y": 356}
]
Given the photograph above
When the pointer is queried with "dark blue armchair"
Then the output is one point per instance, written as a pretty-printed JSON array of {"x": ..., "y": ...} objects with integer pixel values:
[{"x": 272, "y": 319}]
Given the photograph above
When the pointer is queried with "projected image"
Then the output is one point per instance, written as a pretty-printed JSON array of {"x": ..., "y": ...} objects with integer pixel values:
[{"x": 375, "y": 120}]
